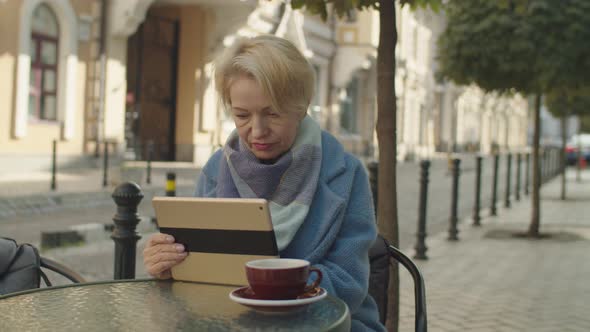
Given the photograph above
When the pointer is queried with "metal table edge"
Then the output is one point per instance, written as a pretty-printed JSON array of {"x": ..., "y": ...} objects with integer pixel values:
[
  {"x": 344, "y": 323},
  {"x": 102, "y": 282}
]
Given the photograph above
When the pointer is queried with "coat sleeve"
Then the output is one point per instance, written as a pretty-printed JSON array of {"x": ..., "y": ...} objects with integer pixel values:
[
  {"x": 206, "y": 184},
  {"x": 345, "y": 267}
]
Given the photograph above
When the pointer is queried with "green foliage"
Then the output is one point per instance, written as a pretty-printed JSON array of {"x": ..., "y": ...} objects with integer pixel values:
[
  {"x": 560, "y": 103},
  {"x": 527, "y": 45},
  {"x": 342, "y": 7}
]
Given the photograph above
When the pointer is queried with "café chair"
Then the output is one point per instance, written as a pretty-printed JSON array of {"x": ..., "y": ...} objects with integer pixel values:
[
  {"x": 381, "y": 255},
  {"x": 58, "y": 268}
]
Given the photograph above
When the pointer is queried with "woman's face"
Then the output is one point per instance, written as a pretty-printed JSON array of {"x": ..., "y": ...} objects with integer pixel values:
[{"x": 266, "y": 132}]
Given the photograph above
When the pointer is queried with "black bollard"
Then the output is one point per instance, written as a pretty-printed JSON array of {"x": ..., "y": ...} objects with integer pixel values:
[
  {"x": 518, "y": 171},
  {"x": 507, "y": 189},
  {"x": 170, "y": 184},
  {"x": 556, "y": 162},
  {"x": 421, "y": 234},
  {"x": 476, "y": 205},
  {"x": 373, "y": 168},
  {"x": 453, "y": 230},
  {"x": 526, "y": 173},
  {"x": 105, "y": 172},
  {"x": 150, "y": 147},
  {"x": 543, "y": 166},
  {"x": 127, "y": 197},
  {"x": 54, "y": 165},
  {"x": 494, "y": 211}
]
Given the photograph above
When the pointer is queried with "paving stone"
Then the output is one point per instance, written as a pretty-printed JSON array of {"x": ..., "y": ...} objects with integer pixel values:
[{"x": 514, "y": 284}]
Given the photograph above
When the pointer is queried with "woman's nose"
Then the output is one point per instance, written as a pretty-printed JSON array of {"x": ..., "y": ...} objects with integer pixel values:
[{"x": 259, "y": 127}]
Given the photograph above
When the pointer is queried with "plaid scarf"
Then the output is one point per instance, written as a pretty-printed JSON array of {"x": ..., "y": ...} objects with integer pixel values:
[{"x": 288, "y": 184}]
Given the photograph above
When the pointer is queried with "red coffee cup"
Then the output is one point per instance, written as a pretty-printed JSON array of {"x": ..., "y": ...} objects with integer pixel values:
[{"x": 280, "y": 278}]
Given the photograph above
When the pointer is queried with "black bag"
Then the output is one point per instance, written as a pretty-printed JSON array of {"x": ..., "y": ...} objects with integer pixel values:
[{"x": 20, "y": 266}]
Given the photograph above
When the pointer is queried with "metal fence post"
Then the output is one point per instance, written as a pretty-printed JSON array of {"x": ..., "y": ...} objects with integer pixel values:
[
  {"x": 453, "y": 230},
  {"x": 556, "y": 162},
  {"x": 54, "y": 165},
  {"x": 170, "y": 184},
  {"x": 476, "y": 205},
  {"x": 508, "y": 171},
  {"x": 105, "y": 164},
  {"x": 422, "y": 205},
  {"x": 543, "y": 166},
  {"x": 518, "y": 171},
  {"x": 527, "y": 173},
  {"x": 127, "y": 197},
  {"x": 494, "y": 211}
]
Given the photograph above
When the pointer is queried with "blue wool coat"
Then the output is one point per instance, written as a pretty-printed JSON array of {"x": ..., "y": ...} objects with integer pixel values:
[{"x": 337, "y": 232}]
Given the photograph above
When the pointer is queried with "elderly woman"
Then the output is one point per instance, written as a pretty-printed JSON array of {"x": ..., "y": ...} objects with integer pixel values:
[{"x": 318, "y": 194}]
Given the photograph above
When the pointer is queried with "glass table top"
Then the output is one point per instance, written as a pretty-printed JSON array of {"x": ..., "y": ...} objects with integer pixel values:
[{"x": 151, "y": 305}]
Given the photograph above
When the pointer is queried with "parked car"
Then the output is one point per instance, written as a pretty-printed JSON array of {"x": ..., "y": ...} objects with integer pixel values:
[{"x": 573, "y": 144}]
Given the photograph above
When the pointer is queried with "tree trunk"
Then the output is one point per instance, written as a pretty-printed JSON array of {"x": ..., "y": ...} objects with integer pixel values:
[
  {"x": 386, "y": 137},
  {"x": 536, "y": 215},
  {"x": 562, "y": 153}
]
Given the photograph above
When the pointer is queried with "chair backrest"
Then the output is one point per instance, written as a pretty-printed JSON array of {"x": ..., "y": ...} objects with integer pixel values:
[
  {"x": 60, "y": 269},
  {"x": 380, "y": 255}
]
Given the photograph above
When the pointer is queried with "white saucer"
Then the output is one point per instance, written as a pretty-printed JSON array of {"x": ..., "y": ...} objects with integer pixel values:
[{"x": 238, "y": 296}]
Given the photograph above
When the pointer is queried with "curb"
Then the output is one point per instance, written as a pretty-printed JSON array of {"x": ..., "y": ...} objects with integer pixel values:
[
  {"x": 84, "y": 234},
  {"x": 52, "y": 202}
]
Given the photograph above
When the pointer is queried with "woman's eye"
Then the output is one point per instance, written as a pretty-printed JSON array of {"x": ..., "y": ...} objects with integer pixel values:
[
  {"x": 274, "y": 115},
  {"x": 241, "y": 116}
]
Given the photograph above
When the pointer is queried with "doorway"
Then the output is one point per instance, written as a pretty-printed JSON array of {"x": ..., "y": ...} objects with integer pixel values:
[{"x": 150, "y": 116}]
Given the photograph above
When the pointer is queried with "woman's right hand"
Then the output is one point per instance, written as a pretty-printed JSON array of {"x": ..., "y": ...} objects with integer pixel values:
[{"x": 160, "y": 254}]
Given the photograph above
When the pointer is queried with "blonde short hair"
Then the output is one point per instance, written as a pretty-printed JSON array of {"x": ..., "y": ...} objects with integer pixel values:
[{"x": 282, "y": 72}]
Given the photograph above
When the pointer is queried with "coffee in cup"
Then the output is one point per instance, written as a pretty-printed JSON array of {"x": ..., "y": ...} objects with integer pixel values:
[{"x": 280, "y": 278}]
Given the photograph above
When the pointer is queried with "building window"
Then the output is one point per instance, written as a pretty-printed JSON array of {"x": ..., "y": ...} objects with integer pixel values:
[
  {"x": 348, "y": 107},
  {"x": 44, "y": 59}
]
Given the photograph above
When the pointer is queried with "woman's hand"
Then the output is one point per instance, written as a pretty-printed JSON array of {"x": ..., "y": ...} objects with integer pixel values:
[{"x": 160, "y": 254}]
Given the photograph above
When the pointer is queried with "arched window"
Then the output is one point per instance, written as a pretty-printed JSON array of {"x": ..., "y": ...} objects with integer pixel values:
[{"x": 44, "y": 61}]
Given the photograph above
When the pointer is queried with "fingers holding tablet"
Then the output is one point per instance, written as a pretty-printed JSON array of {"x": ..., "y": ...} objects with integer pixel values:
[{"x": 160, "y": 254}]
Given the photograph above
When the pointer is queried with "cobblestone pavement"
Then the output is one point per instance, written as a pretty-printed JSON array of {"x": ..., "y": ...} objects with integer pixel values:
[{"x": 492, "y": 281}]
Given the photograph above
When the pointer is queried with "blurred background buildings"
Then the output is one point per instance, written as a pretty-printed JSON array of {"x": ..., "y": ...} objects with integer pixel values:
[{"x": 137, "y": 74}]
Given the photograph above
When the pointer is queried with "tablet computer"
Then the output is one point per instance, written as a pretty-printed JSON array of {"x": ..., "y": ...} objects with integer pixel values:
[{"x": 220, "y": 235}]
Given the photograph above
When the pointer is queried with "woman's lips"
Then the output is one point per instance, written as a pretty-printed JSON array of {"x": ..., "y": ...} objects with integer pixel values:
[{"x": 261, "y": 146}]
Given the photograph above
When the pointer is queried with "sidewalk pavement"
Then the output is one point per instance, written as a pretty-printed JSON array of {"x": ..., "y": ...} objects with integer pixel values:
[
  {"x": 492, "y": 281},
  {"x": 30, "y": 193}
]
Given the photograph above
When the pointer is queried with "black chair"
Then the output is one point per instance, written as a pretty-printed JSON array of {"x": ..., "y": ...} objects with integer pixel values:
[{"x": 380, "y": 256}]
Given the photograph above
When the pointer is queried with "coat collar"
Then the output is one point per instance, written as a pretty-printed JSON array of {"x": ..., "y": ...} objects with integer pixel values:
[{"x": 333, "y": 163}]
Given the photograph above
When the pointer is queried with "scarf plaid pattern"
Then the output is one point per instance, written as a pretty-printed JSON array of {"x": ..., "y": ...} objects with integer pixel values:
[{"x": 289, "y": 184}]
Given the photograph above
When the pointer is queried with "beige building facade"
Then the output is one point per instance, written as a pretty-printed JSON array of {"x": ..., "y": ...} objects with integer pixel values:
[
  {"x": 42, "y": 87},
  {"x": 141, "y": 80},
  {"x": 440, "y": 117}
]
